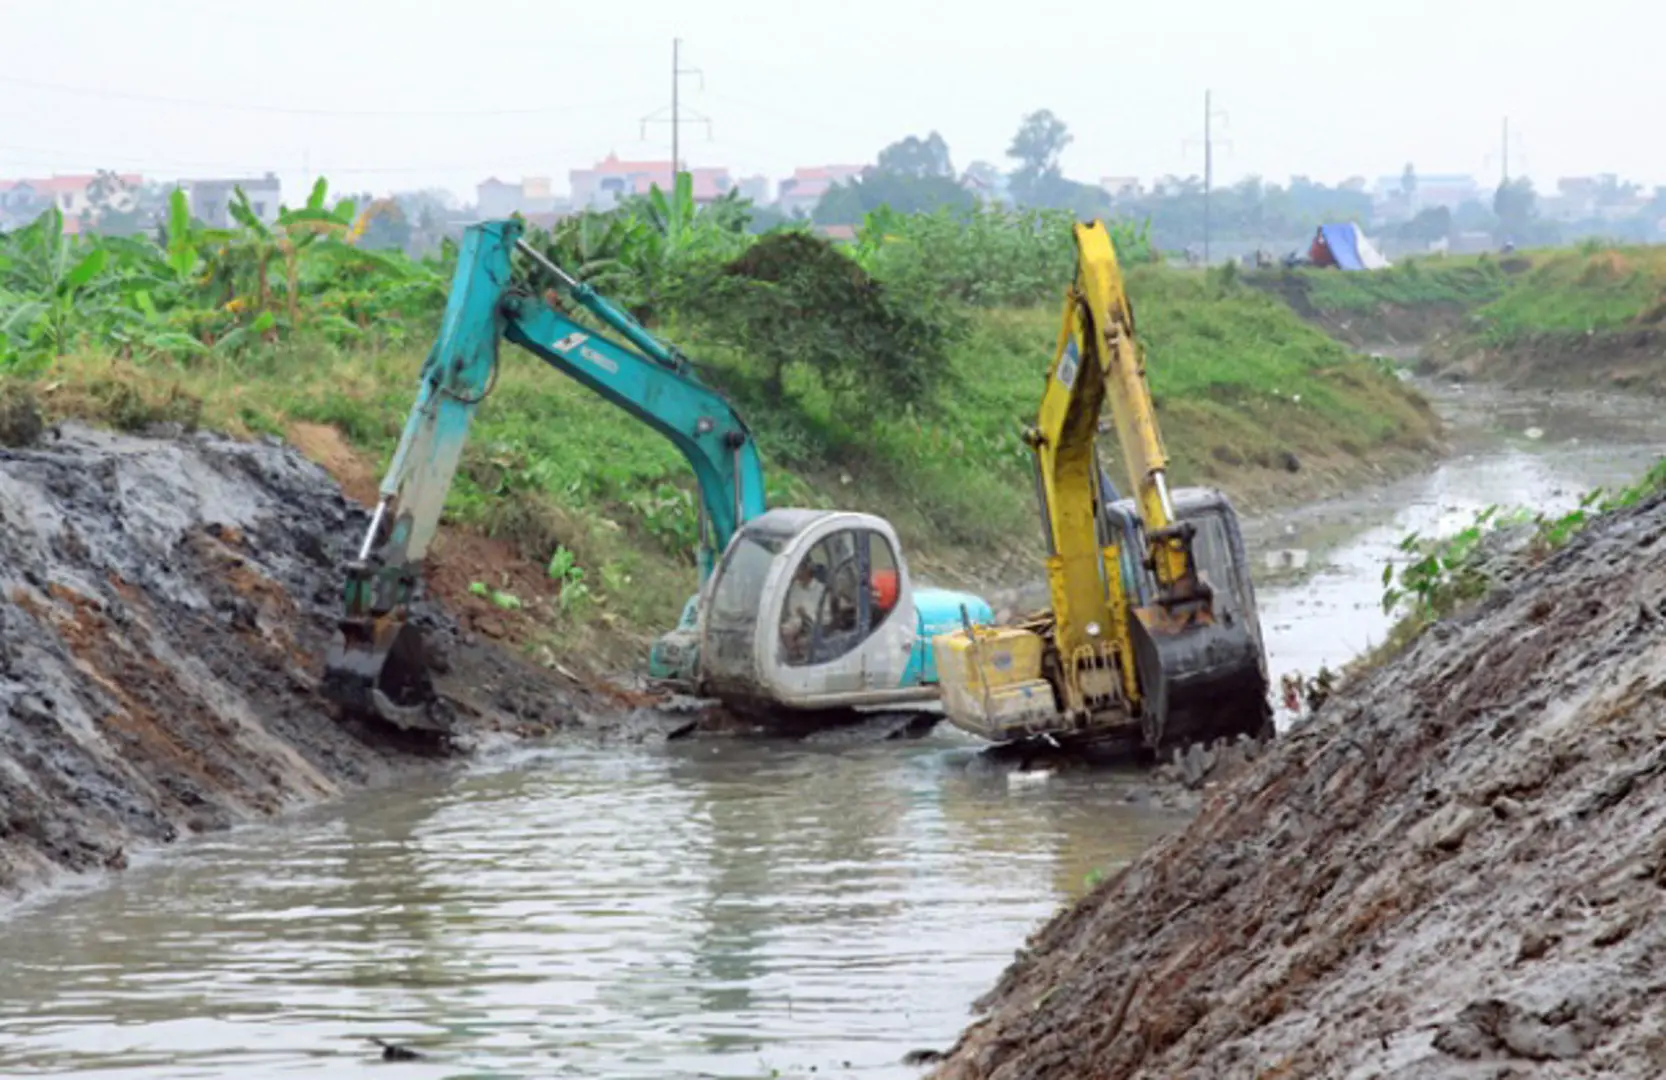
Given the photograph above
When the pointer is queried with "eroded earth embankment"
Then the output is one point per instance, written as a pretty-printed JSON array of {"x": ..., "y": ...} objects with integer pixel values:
[
  {"x": 1457, "y": 868},
  {"x": 164, "y": 609}
]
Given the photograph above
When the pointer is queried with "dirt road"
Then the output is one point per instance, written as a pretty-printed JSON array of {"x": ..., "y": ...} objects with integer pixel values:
[
  {"x": 164, "y": 608},
  {"x": 1455, "y": 869}
]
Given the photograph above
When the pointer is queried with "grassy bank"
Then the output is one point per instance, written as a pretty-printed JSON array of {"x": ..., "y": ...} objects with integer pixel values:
[
  {"x": 1587, "y": 317},
  {"x": 577, "y": 523}
]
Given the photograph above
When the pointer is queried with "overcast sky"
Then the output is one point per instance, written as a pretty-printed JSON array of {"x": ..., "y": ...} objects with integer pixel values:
[{"x": 392, "y": 94}]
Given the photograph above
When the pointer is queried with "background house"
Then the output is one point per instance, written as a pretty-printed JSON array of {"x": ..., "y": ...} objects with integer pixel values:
[
  {"x": 531, "y": 197},
  {"x": 804, "y": 188},
  {"x": 608, "y": 182},
  {"x": 210, "y": 200}
]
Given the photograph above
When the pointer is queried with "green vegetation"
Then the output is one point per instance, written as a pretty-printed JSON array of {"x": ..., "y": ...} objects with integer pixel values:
[
  {"x": 892, "y": 374},
  {"x": 1591, "y": 289},
  {"x": 1516, "y": 300},
  {"x": 1442, "y": 575},
  {"x": 1469, "y": 282}
]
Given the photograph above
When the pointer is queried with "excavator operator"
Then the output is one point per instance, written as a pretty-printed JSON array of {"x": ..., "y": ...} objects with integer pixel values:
[{"x": 798, "y": 621}]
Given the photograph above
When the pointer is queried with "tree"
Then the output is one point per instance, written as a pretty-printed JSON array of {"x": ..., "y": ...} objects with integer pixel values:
[
  {"x": 877, "y": 349},
  {"x": 387, "y": 227},
  {"x": 986, "y": 180},
  {"x": 850, "y": 203},
  {"x": 1473, "y": 215},
  {"x": 917, "y": 158},
  {"x": 1430, "y": 225},
  {"x": 1515, "y": 205},
  {"x": 1041, "y": 138}
]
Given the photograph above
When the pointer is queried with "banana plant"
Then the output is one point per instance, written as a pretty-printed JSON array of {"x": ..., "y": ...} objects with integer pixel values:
[
  {"x": 295, "y": 232},
  {"x": 55, "y": 288}
]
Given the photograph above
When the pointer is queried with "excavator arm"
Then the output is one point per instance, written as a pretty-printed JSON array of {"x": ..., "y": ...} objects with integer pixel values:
[
  {"x": 377, "y": 663},
  {"x": 1181, "y": 662}
]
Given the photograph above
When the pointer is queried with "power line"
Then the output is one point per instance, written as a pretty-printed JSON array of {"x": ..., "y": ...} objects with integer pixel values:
[
  {"x": 55, "y": 157},
  {"x": 283, "y": 110}
]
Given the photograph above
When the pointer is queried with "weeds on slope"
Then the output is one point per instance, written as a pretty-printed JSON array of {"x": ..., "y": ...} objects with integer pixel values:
[{"x": 1440, "y": 576}]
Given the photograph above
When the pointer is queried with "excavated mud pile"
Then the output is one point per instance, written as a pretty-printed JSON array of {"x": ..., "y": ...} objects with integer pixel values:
[
  {"x": 1457, "y": 868},
  {"x": 164, "y": 609}
]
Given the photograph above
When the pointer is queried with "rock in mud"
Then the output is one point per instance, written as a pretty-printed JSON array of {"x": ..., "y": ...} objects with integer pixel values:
[
  {"x": 164, "y": 610},
  {"x": 1455, "y": 868}
]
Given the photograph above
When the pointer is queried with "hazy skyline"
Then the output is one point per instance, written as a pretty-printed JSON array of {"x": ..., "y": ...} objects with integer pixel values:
[{"x": 381, "y": 95}]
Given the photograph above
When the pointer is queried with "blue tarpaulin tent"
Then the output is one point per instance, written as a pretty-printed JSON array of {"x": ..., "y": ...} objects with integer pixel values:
[{"x": 1346, "y": 248}]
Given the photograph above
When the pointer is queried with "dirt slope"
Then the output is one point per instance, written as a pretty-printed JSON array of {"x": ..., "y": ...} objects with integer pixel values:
[
  {"x": 164, "y": 607},
  {"x": 1458, "y": 868}
]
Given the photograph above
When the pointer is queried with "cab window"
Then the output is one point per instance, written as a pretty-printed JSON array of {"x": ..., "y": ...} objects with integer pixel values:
[{"x": 839, "y": 594}]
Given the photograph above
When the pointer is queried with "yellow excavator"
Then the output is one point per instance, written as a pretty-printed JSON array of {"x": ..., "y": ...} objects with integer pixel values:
[{"x": 1153, "y": 641}]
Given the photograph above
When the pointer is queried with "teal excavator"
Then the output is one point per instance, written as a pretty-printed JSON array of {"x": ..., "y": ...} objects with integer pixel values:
[{"x": 799, "y": 611}]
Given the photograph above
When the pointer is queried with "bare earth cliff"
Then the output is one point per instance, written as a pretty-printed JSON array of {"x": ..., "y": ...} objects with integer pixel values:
[{"x": 164, "y": 609}]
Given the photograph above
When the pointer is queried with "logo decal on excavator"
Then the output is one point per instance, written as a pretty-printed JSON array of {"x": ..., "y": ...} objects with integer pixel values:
[
  {"x": 576, "y": 340},
  {"x": 599, "y": 360},
  {"x": 1068, "y": 365}
]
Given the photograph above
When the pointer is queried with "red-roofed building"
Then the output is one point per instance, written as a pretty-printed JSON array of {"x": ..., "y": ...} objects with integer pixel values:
[
  {"x": 611, "y": 180},
  {"x": 69, "y": 193},
  {"x": 804, "y": 189}
]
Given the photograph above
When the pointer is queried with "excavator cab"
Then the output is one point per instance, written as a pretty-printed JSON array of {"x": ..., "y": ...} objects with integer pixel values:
[{"x": 814, "y": 610}]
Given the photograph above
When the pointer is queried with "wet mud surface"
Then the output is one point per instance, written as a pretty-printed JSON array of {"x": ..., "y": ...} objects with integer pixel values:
[
  {"x": 164, "y": 609},
  {"x": 1455, "y": 868}
]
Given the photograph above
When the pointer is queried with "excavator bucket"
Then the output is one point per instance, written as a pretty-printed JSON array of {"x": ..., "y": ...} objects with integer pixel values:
[
  {"x": 1201, "y": 681},
  {"x": 379, "y": 667},
  {"x": 1203, "y": 670}
]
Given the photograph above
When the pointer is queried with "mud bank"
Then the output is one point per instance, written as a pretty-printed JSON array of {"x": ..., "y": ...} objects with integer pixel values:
[
  {"x": 164, "y": 609},
  {"x": 1633, "y": 361},
  {"x": 1372, "y": 323},
  {"x": 1454, "y": 869}
]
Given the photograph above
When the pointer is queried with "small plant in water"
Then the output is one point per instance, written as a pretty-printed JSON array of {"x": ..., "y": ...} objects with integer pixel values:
[{"x": 1443, "y": 572}]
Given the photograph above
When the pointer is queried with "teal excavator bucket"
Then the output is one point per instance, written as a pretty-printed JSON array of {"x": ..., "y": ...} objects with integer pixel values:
[{"x": 675, "y": 656}]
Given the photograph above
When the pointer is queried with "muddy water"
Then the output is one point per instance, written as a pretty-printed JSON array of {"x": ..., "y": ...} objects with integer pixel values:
[
  {"x": 1534, "y": 450},
  {"x": 702, "y": 910},
  {"x": 716, "y": 909}
]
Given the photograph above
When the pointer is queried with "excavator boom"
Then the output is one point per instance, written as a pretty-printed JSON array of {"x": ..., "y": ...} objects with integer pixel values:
[{"x": 378, "y": 663}]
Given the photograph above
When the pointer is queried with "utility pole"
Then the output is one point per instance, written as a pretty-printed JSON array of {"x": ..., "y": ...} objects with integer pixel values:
[
  {"x": 1209, "y": 115},
  {"x": 1506, "y": 151},
  {"x": 676, "y": 118},
  {"x": 676, "y": 115},
  {"x": 1208, "y": 169}
]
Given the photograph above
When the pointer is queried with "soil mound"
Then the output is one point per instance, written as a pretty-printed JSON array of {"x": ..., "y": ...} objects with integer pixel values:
[
  {"x": 164, "y": 609},
  {"x": 1457, "y": 868}
]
